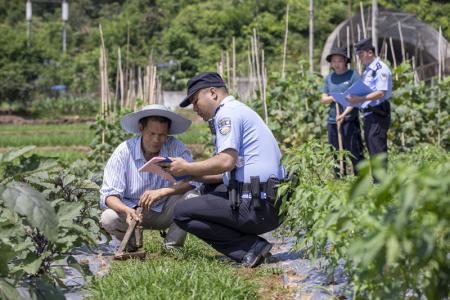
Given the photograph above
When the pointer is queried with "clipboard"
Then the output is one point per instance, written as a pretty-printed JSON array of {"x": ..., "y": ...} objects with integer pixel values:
[
  {"x": 152, "y": 167},
  {"x": 359, "y": 88},
  {"x": 341, "y": 98}
]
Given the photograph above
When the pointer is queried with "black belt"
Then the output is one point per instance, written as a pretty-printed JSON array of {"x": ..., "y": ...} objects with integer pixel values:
[
  {"x": 267, "y": 189},
  {"x": 383, "y": 109}
]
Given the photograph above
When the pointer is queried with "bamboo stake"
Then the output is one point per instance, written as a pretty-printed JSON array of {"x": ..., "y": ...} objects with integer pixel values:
[
  {"x": 127, "y": 65},
  {"x": 439, "y": 55},
  {"x": 394, "y": 59},
  {"x": 227, "y": 57},
  {"x": 348, "y": 41},
  {"x": 339, "y": 38},
  {"x": 401, "y": 41},
  {"x": 263, "y": 83},
  {"x": 350, "y": 16},
  {"x": 250, "y": 73},
  {"x": 440, "y": 73},
  {"x": 362, "y": 20},
  {"x": 286, "y": 32},
  {"x": 374, "y": 25},
  {"x": 121, "y": 79},
  {"x": 340, "y": 143},
  {"x": 234, "y": 85},
  {"x": 256, "y": 53},
  {"x": 311, "y": 36}
]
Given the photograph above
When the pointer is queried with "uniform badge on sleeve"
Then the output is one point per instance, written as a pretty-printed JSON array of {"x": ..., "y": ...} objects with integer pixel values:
[
  {"x": 224, "y": 126},
  {"x": 383, "y": 76}
]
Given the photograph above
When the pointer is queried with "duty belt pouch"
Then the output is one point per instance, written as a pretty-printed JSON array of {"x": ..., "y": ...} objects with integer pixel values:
[
  {"x": 255, "y": 191},
  {"x": 271, "y": 190},
  {"x": 233, "y": 191}
]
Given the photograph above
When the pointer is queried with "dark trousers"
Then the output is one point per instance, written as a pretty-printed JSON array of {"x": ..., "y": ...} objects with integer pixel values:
[
  {"x": 231, "y": 232},
  {"x": 376, "y": 127},
  {"x": 351, "y": 140}
]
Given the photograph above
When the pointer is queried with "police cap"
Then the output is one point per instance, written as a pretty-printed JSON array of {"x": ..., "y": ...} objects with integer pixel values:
[
  {"x": 364, "y": 45},
  {"x": 201, "y": 81}
]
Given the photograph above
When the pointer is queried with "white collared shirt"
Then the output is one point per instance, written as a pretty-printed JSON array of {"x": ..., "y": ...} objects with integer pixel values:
[{"x": 122, "y": 178}]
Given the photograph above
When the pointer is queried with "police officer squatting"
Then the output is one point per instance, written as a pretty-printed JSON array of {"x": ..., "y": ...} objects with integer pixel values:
[
  {"x": 346, "y": 120},
  {"x": 237, "y": 202}
]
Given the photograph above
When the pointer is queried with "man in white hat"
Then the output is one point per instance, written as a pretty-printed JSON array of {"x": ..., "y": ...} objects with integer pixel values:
[{"x": 124, "y": 187}]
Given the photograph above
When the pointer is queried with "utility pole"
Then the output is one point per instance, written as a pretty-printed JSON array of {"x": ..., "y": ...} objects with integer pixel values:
[
  {"x": 65, "y": 18},
  {"x": 29, "y": 14}
]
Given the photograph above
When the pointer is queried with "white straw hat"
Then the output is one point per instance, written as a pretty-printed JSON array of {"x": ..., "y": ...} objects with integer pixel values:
[{"x": 130, "y": 122}]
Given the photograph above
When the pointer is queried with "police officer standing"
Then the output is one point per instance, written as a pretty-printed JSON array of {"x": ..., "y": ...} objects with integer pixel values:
[
  {"x": 231, "y": 216},
  {"x": 375, "y": 106},
  {"x": 339, "y": 81}
]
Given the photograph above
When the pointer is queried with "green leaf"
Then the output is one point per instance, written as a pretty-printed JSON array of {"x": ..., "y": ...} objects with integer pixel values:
[
  {"x": 46, "y": 291},
  {"x": 393, "y": 250},
  {"x": 8, "y": 291},
  {"x": 31, "y": 203},
  {"x": 7, "y": 253},
  {"x": 13, "y": 154},
  {"x": 32, "y": 267},
  {"x": 68, "y": 212}
]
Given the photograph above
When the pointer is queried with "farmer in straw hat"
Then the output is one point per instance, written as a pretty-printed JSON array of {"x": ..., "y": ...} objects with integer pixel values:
[{"x": 124, "y": 187}]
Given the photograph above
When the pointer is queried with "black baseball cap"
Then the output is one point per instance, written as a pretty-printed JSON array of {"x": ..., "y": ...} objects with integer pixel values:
[
  {"x": 364, "y": 45},
  {"x": 338, "y": 51},
  {"x": 201, "y": 81}
]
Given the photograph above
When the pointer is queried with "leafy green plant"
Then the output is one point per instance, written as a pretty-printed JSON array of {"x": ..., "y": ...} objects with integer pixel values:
[
  {"x": 393, "y": 236},
  {"x": 45, "y": 213}
]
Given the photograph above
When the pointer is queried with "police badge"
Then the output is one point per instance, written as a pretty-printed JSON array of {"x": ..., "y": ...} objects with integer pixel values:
[{"x": 224, "y": 126}]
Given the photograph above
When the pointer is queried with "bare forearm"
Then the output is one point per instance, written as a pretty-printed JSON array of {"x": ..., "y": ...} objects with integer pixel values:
[
  {"x": 176, "y": 189},
  {"x": 374, "y": 96},
  {"x": 210, "y": 178},
  {"x": 326, "y": 99},
  {"x": 116, "y": 204},
  {"x": 211, "y": 166}
]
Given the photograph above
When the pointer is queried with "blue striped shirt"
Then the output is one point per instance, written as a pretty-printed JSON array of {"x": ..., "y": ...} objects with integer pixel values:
[{"x": 122, "y": 178}]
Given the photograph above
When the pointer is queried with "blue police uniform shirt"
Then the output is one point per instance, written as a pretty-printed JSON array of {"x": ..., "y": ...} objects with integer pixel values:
[
  {"x": 240, "y": 128},
  {"x": 379, "y": 78},
  {"x": 335, "y": 83}
]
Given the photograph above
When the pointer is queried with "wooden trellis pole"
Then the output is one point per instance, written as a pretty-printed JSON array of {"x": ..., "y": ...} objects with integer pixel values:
[
  {"x": 363, "y": 22},
  {"x": 286, "y": 32},
  {"x": 234, "y": 83},
  {"x": 401, "y": 40},
  {"x": 311, "y": 36}
]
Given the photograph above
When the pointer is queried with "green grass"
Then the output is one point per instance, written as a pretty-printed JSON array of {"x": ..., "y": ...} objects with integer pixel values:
[
  {"x": 45, "y": 135},
  {"x": 189, "y": 273}
]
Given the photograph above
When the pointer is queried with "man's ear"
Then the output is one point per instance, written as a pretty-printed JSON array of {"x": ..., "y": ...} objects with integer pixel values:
[
  {"x": 141, "y": 128},
  {"x": 214, "y": 95}
]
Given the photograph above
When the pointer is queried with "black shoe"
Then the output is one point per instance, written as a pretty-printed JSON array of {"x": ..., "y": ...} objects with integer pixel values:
[{"x": 256, "y": 254}]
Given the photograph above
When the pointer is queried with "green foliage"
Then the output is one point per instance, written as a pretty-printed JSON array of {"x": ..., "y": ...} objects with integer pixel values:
[
  {"x": 50, "y": 108},
  {"x": 108, "y": 135},
  {"x": 46, "y": 211},
  {"x": 293, "y": 105},
  {"x": 190, "y": 33},
  {"x": 393, "y": 236},
  {"x": 419, "y": 112}
]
